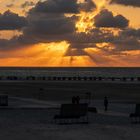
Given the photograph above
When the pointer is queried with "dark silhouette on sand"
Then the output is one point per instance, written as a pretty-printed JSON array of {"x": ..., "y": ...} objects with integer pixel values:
[
  {"x": 75, "y": 100},
  {"x": 106, "y": 103}
]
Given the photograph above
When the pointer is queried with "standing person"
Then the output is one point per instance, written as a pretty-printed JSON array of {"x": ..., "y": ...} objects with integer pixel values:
[
  {"x": 73, "y": 100},
  {"x": 88, "y": 97},
  {"x": 106, "y": 103},
  {"x": 77, "y": 99}
]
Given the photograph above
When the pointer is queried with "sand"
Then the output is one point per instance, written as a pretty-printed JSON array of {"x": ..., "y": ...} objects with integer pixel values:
[
  {"x": 35, "y": 123},
  {"x": 64, "y": 90},
  {"x": 41, "y": 101}
]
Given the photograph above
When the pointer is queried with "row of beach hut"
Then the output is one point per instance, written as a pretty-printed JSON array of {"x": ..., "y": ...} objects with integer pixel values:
[{"x": 76, "y": 78}]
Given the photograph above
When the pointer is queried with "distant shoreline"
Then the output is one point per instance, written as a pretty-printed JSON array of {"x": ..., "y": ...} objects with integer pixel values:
[
  {"x": 86, "y": 82},
  {"x": 43, "y": 67},
  {"x": 97, "y": 74}
]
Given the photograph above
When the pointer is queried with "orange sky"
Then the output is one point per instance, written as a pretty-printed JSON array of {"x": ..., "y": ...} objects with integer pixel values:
[{"x": 53, "y": 53}]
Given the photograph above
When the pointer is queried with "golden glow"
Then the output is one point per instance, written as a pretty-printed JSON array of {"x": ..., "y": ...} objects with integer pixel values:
[
  {"x": 102, "y": 58},
  {"x": 54, "y": 54},
  {"x": 44, "y": 54},
  {"x": 129, "y": 12},
  {"x": 7, "y": 34},
  {"x": 92, "y": 51},
  {"x": 16, "y": 6},
  {"x": 80, "y": 61},
  {"x": 85, "y": 23},
  {"x": 107, "y": 46},
  {"x": 132, "y": 52},
  {"x": 86, "y": 20},
  {"x": 60, "y": 47},
  {"x": 101, "y": 4}
]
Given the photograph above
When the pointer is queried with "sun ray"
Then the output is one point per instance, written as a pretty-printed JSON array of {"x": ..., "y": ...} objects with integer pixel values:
[{"x": 86, "y": 19}]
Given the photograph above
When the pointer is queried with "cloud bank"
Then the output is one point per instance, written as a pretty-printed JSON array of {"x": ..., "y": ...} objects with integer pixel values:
[
  {"x": 12, "y": 21},
  {"x": 106, "y": 19},
  {"x": 134, "y": 3},
  {"x": 55, "y": 21}
]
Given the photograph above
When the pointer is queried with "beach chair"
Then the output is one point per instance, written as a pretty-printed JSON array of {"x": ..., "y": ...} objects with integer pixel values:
[
  {"x": 92, "y": 109},
  {"x": 3, "y": 100},
  {"x": 72, "y": 113},
  {"x": 135, "y": 117}
]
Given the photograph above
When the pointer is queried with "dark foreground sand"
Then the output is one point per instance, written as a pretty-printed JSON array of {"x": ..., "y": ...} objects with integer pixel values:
[{"x": 34, "y": 123}]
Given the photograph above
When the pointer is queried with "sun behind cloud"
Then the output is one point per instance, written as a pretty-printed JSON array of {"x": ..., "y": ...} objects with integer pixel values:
[{"x": 69, "y": 33}]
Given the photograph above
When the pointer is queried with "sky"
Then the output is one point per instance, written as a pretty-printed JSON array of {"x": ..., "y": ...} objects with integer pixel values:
[{"x": 70, "y": 33}]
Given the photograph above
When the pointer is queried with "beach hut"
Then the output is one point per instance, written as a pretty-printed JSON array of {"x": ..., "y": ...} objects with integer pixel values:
[
  {"x": 63, "y": 78},
  {"x": 50, "y": 78},
  {"x": 3, "y": 100},
  {"x": 54, "y": 78},
  {"x": 74, "y": 78},
  {"x": 30, "y": 78},
  {"x": 85, "y": 78},
  {"x": 94, "y": 78},
  {"x": 1, "y": 77},
  {"x": 59, "y": 78},
  {"x": 90, "y": 78},
  {"x": 69, "y": 78},
  {"x": 138, "y": 78}
]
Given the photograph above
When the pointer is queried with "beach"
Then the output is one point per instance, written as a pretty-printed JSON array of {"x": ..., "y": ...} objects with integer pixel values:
[
  {"x": 34, "y": 103},
  {"x": 69, "y": 70},
  {"x": 64, "y": 90},
  {"x": 32, "y": 119},
  {"x": 49, "y": 84}
]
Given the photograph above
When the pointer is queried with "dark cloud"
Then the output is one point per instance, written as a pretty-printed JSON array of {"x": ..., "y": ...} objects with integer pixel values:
[
  {"x": 126, "y": 44},
  {"x": 50, "y": 24},
  {"x": 11, "y": 44},
  {"x": 126, "y": 40},
  {"x": 75, "y": 52},
  {"x": 47, "y": 21},
  {"x": 87, "y": 6},
  {"x": 43, "y": 28},
  {"x": 12, "y": 21},
  {"x": 95, "y": 36},
  {"x": 56, "y": 6},
  {"x": 46, "y": 25},
  {"x": 106, "y": 19},
  {"x": 135, "y": 3},
  {"x": 130, "y": 32},
  {"x": 48, "y": 28},
  {"x": 63, "y": 6},
  {"x": 27, "y": 4}
]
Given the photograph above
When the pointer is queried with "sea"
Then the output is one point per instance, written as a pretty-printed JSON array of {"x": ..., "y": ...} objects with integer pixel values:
[{"x": 71, "y": 71}]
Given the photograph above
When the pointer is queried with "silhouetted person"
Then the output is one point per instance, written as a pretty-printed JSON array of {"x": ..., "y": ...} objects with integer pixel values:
[
  {"x": 77, "y": 100},
  {"x": 73, "y": 100},
  {"x": 106, "y": 103},
  {"x": 88, "y": 97}
]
